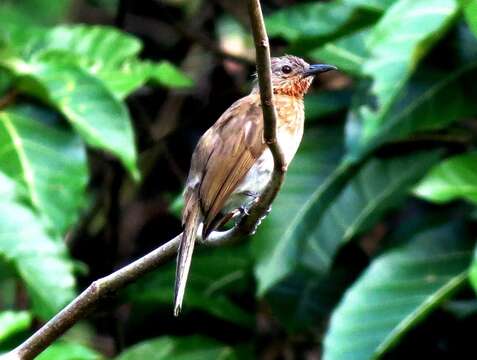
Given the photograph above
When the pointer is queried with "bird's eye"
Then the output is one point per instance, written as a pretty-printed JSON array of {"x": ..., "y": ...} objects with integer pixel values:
[{"x": 286, "y": 69}]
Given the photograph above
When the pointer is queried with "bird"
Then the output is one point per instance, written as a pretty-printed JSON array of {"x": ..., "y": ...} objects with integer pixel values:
[{"x": 231, "y": 164}]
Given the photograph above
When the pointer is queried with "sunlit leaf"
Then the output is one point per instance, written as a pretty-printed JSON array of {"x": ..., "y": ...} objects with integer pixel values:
[
  {"x": 13, "y": 322},
  {"x": 396, "y": 292},
  {"x": 452, "y": 179},
  {"x": 40, "y": 260},
  {"x": 298, "y": 24},
  {"x": 63, "y": 350},
  {"x": 395, "y": 54},
  {"x": 430, "y": 102},
  {"x": 101, "y": 119},
  {"x": 470, "y": 11},
  {"x": 49, "y": 162}
]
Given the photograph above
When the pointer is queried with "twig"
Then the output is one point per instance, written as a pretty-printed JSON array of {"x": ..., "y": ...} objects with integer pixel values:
[{"x": 89, "y": 298}]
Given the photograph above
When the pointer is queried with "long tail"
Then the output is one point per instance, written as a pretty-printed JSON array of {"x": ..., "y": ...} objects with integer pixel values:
[{"x": 184, "y": 256}]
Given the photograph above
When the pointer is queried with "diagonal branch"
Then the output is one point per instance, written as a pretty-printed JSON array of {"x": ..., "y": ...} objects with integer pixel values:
[{"x": 85, "y": 303}]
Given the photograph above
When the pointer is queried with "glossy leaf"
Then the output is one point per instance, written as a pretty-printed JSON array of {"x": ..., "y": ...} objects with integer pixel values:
[
  {"x": 396, "y": 292},
  {"x": 101, "y": 119},
  {"x": 178, "y": 348},
  {"x": 311, "y": 240},
  {"x": 298, "y": 24},
  {"x": 395, "y": 54},
  {"x": 110, "y": 55},
  {"x": 452, "y": 179},
  {"x": 49, "y": 163},
  {"x": 63, "y": 350},
  {"x": 40, "y": 261},
  {"x": 13, "y": 322},
  {"x": 430, "y": 102},
  {"x": 215, "y": 273}
]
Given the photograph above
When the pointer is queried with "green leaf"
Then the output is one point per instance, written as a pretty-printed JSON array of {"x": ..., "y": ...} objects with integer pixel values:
[
  {"x": 13, "y": 322},
  {"x": 275, "y": 250},
  {"x": 473, "y": 271},
  {"x": 396, "y": 292},
  {"x": 379, "y": 186},
  {"x": 215, "y": 273},
  {"x": 452, "y": 179},
  {"x": 298, "y": 24},
  {"x": 92, "y": 110},
  {"x": 110, "y": 55},
  {"x": 49, "y": 163},
  {"x": 430, "y": 102},
  {"x": 40, "y": 260},
  {"x": 311, "y": 239},
  {"x": 395, "y": 54},
  {"x": 166, "y": 74},
  {"x": 183, "y": 348},
  {"x": 377, "y": 5},
  {"x": 470, "y": 11},
  {"x": 348, "y": 53},
  {"x": 326, "y": 103},
  {"x": 63, "y": 350}
]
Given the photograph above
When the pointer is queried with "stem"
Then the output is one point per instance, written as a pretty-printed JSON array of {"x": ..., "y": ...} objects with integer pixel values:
[{"x": 84, "y": 303}]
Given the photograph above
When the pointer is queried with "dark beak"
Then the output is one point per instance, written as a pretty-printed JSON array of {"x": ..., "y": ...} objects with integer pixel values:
[{"x": 318, "y": 68}]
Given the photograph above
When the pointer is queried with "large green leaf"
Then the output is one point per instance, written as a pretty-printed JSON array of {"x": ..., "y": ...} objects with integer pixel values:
[
  {"x": 215, "y": 274},
  {"x": 310, "y": 241},
  {"x": 470, "y": 11},
  {"x": 178, "y": 348},
  {"x": 63, "y": 350},
  {"x": 40, "y": 261},
  {"x": 110, "y": 55},
  {"x": 348, "y": 53},
  {"x": 306, "y": 25},
  {"x": 13, "y": 322},
  {"x": 430, "y": 102},
  {"x": 49, "y": 163},
  {"x": 275, "y": 251},
  {"x": 101, "y": 119},
  {"x": 379, "y": 186},
  {"x": 399, "y": 40},
  {"x": 396, "y": 292},
  {"x": 377, "y": 5},
  {"x": 452, "y": 179}
]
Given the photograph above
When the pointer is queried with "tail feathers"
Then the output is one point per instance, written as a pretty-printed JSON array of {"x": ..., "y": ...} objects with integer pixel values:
[{"x": 184, "y": 257}]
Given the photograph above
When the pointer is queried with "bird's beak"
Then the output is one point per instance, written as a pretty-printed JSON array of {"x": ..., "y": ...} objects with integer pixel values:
[{"x": 318, "y": 68}]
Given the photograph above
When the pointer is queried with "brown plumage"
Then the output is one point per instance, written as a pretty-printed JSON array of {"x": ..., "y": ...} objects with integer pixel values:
[{"x": 232, "y": 165}]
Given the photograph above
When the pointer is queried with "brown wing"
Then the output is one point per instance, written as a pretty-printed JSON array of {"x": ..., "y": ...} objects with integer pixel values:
[{"x": 224, "y": 155}]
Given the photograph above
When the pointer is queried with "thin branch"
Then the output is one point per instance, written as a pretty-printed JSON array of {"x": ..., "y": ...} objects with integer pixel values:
[{"x": 89, "y": 298}]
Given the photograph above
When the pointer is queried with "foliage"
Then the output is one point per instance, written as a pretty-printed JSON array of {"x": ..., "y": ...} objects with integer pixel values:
[
  {"x": 369, "y": 239},
  {"x": 65, "y": 87}
]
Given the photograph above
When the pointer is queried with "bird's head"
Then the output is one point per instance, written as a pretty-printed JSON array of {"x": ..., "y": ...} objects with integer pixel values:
[{"x": 293, "y": 76}]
